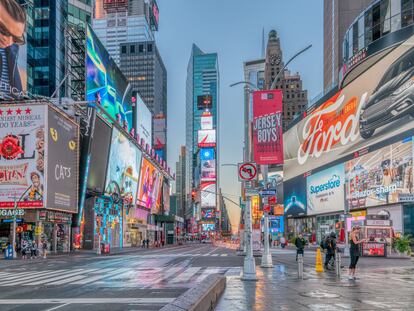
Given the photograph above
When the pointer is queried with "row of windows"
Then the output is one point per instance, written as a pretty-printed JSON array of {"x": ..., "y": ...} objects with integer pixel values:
[
  {"x": 140, "y": 49},
  {"x": 293, "y": 95}
]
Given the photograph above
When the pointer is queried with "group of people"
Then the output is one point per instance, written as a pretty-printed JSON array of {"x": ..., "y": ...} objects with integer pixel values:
[
  {"x": 145, "y": 243},
  {"x": 31, "y": 248},
  {"x": 329, "y": 245}
]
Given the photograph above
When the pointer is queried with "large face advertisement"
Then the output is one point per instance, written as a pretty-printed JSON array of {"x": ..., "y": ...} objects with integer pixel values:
[
  {"x": 376, "y": 106},
  {"x": 105, "y": 81},
  {"x": 150, "y": 186},
  {"x": 144, "y": 120},
  {"x": 208, "y": 194},
  {"x": 295, "y": 197},
  {"x": 62, "y": 163},
  {"x": 267, "y": 127},
  {"x": 23, "y": 156},
  {"x": 325, "y": 191},
  {"x": 124, "y": 165},
  {"x": 380, "y": 177},
  {"x": 13, "y": 50}
]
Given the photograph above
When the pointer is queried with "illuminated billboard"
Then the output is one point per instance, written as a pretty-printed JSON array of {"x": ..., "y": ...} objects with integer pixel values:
[
  {"x": 154, "y": 15},
  {"x": 207, "y": 154},
  {"x": 124, "y": 165},
  {"x": 143, "y": 126},
  {"x": 13, "y": 51},
  {"x": 204, "y": 102},
  {"x": 208, "y": 170},
  {"x": 159, "y": 132},
  {"x": 150, "y": 186},
  {"x": 373, "y": 108},
  {"x": 208, "y": 194},
  {"x": 208, "y": 213},
  {"x": 105, "y": 82},
  {"x": 206, "y": 138},
  {"x": 206, "y": 121},
  {"x": 295, "y": 197}
]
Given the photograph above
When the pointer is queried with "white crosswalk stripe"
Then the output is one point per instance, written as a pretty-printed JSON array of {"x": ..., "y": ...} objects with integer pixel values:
[
  {"x": 99, "y": 277},
  {"x": 215, "y": 255},
  {"x": 224, "y": 255},
  {"x": 186, "y": 275}
]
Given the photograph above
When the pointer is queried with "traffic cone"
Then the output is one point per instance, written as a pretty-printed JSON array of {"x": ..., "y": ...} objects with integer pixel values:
[{"x": 318, "y": 266}]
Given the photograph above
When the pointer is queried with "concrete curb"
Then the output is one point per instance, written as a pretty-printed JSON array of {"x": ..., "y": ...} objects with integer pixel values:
[{"x": 203, "y": 297}]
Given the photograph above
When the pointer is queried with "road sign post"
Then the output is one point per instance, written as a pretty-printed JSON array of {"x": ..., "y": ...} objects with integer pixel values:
[{"x": 247, "y": 171}]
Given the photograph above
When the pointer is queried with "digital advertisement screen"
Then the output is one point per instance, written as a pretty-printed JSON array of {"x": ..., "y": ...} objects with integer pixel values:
[
  {"x": 208, "y": 213},
  {"x": 144, "y": 120},
  {"x": 326, "y": 190},
  {"x": 295, "y": 197},
  {"x": 159, "y": 132},
  {"x": 105, "y": 81},
  {"x": 207, "y": 154},
  {"x": 208, "y": 227},
  {"x": 204, "y": 102},
  {"x": 166, "y": 197},
  {"x": 206, "y": 138},
  {"x": 276, "y": 224},
  {"x": 13, "y": 53},
  {"x": 380, "y": 177},
  {"x": 208, "y": 170},
  {"x": 124, "y": 164},
  {"x": 373, "y": 108},
  {"x": 208, "y": 194},
  {"x": 206, "y": 121},
  {"x": 274, "y": 181},
  {"x": 150, "y": 186}
]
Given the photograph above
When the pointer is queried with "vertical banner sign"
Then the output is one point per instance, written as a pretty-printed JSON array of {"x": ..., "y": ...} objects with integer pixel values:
[{"x": 267, "y": 127}]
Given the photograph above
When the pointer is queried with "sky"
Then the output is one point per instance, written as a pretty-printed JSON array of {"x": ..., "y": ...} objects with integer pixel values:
[{"x": 233, "y": 29}]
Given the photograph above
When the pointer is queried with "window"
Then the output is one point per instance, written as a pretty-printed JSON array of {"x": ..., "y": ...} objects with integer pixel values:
[
  {"x": 141, "y": 48},
  {"x": 123, "y": 49},
  {"x": 132, "y": 49},
  {"x": 385, "y": 12},
  {"x": 361, "y": 32},
  {"x": 406, "y": 12},
  {"x": 368, "y": 27},
  {"x": 355, "y": 38},
  {"x": 149, "y": 47},
  {"x": 376, "y": 25}
]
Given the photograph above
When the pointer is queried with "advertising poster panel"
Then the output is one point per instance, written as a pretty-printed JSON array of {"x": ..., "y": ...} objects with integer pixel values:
[
  {"x": 206, "y": 138},
  {"x": 144, "y": 120},
  {"x": 206, "y": 121},
  {"x": 13, "y": 53},
  {"x": 276, "y": 224},
  {"x": 150, "y": 186},
  {"x": 166, "y": 197},
  {"x": 208, "y": 194},
  {"x": 105, "y": 81},
  {"x": 207, "y": 154},
  {"x": 62, "y": 162},
  {"x": 124, "y": 165},
  {"x": 208, "y": 170},
  {"x": 295, "y": 197},
  {"x": 326, "y": 191},
  {"x": 204, "y": 102},
  {"x": 208, "y": 213},
  {"x": 23, "y": 156},
  {"x": 373, "y": 108},
  {"x": 159, "y": 132},
  {"x": 267, "y": 127},
  {"x": 274, "y": 181},
  {"x": 380, "y": 177}
]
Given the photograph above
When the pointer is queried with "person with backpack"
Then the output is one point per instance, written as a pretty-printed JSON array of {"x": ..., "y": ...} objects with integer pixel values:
[
  {"x": 44, "y": 248},
  {"x": 300, "y": 244},
  {"x": 330, "y": 245}
]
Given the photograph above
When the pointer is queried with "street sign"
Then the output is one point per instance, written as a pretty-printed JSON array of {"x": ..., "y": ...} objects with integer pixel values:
[
  {"x": 272, "y": 199},
  {"x": 266, "y": 208},
  {"x": 247, "y": 171},
  {"x": 248, "y": 184},
  {"x": 250, "y": 192},
  {"x": 268, "y": 192}
]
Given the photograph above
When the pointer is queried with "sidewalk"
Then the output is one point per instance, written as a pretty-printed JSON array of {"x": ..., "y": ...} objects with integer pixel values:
[{"x": 278, "y": 288}]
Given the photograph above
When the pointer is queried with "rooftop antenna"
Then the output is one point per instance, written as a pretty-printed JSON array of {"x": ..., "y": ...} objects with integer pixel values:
[{"x": 263, "y": 43}]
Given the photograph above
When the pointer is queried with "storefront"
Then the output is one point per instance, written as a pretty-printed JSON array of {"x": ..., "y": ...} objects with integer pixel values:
[
  {"x": 304, "y": 225},
  {"x": 135, "y": 226},
  {"x": 56, "y": 229},
  {"x": 325, "y": 224}
]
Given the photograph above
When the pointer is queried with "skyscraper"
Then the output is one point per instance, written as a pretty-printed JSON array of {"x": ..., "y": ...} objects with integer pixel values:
[
  {"x": 294, "y": 97},
  {"x": 180, "y": 187},
  {"x": 202, "y": 111},
  {"x": 337, "y": 17}
]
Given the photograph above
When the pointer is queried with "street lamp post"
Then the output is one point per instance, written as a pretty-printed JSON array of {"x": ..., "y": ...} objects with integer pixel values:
[
  {"x": 266, "y": 256},
  {"x": 15, "y": 205}
]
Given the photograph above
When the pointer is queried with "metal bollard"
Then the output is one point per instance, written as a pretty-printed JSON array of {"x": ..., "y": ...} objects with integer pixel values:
[
  {"x": 338, "y": 264},
  {"x": 300, "y": 266}
]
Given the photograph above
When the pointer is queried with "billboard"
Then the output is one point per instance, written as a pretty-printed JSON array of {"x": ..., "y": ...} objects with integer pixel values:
[
  {"x": 105, "y": 82},
  {"x": 62, "y": 162},
  {"x": 375, "y": 107},
  {"x": 206, "y": 121},
  {"x": 295, "y": 197},
  {"x": 166, "y": 197},
  {"x": 380, "y": 177},
  {"x": 13, "y": 51},
  {"x": 274, "y": 181},
  {"x": 206, "y": 138},
  {"x": 267, "y": 127},
  {"x": 208, "y": 170},
  {"x": 143, "y": 126},
  {"x": 123, "y": 165},
  {"x": 23, "y": 156},
  {"x": 326, "y": 190},
  {"x": 208, "y": 213},
  {"x": 154, "y": 15},
  {"x": 150, "y": 186},
  {"x": 208, "y": 194},
  {"x": 204, "y": 102},
  {"x": 159, "y": 132},
  {"x": 207, "y": 154}
]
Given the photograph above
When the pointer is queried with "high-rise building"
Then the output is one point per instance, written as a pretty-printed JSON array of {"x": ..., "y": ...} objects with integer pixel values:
[
  {"x": 180, "y": 183},
  {"x": 295, "y": 98},
  {"x": 338, "y": 16},
  {"x": 202, "y": 94}
]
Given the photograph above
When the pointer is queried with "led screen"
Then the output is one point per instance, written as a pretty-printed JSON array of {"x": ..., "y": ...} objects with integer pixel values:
[
  {"x": 144, "y": 120},
  {"x": 295, "y": 197},
  {"x": 204, "y": 102},
  {"x": 206, "y": 138},
  {"x": 150, "y": 186}
]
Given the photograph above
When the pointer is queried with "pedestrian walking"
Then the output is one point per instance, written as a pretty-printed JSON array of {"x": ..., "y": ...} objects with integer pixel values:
[
  {"x": 282, "y": 242},
  {"x": 44, "y": 249},
  {"x": 147, "y": 243},
  {"x": 300, "y": 244},
  {"x": 354, "y": 250},
  {"x": 24, "y": 248},
  {"x": 33, "y": 250},
  {"x": 330, "y": 245}
]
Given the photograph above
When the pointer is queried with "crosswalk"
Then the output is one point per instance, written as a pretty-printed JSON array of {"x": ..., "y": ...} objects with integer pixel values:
[{"x": 116, "y": 277}]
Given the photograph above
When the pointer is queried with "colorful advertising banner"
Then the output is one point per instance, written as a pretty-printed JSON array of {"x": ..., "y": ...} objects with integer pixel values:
[
  {"x": 62, "y": 162},
  {"x": 326, "y": 191},
  {"x": 207, "y": 154},
  {"x": 208, "y": 170},
  {"x": 295, "y": 197},
  {"x": 150, "y": 186},
  {"x": 13, "y": 53},
  {"x": 159, "y": 132},
  {"x": 373, "y": 108},
  {"x": 274, "y": 181},
  {"x": 206, "y": 121},
  {"x": 267, "y": 127},
  {"x": 105, "y": 82},
  {"x": 144, "y": 120},
  {"x": 208, "y": 213},
  {"x": 124, "y": 165},
  {"x": 166, "y": 197},
  {"x": 23, "y": 156},
  {"x": 380, "y": 177},
  {"x": 208, "y": 194},
  {"x": 206, "y": 138},
  {"x": 204, "y": 102}
]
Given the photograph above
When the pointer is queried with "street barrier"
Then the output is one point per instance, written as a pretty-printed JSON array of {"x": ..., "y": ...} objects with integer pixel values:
[
  {"x": 318, "y": 265},
  {"x": 300, "y": 266}
]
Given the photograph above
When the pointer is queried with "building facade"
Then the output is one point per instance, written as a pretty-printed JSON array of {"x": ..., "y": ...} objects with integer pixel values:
[
  {"x": 337, "y": 17},
  {"x": 295, "y": 98},
  {"x": 180, "y": 187},
  {"x": 202, "y": 94}
]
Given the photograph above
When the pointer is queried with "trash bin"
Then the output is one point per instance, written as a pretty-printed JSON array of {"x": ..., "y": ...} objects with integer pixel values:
[
  {"x": 8, "y": 252},
  {"x": 105, "y": 248}
]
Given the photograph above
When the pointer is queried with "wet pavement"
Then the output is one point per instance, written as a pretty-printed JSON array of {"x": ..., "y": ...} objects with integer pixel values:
[{"x": 382, "y": 284}]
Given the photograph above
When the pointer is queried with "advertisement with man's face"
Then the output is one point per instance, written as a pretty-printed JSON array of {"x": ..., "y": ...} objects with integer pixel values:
[
  {"x": 325, "y": 191},
  {"x": 62, "y": 162},
  {"x": 124, "y": 165},
  {"x": 23, "y": 156},
  {"x": 13, "y": 59},
  {"x": 376, "y": 106},
  {"x": 295, "y": 197},
  {"x": 105, "y": 82},
  {"x": 150, "y": 186},
  {"x": 380, "y": 177}
]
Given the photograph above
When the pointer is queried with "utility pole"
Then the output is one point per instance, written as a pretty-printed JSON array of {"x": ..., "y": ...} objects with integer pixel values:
[{"x": 266, "y": 256}]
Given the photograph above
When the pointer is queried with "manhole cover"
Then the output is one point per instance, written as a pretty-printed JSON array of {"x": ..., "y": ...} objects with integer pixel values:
[{"x": 320, "y": 294}]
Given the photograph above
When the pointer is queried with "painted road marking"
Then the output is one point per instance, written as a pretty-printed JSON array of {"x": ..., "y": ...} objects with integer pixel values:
[
  {"x": 86, "y": 301},
  {"x": 99, "y": 277},
  {"x": 186, "y": 275}
]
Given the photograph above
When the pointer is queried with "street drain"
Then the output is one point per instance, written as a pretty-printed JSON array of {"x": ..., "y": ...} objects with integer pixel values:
[{"x": 320, "y": 294}]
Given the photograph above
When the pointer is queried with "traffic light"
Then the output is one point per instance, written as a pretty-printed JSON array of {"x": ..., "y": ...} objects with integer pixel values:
[{"x": 193, "y": 194}]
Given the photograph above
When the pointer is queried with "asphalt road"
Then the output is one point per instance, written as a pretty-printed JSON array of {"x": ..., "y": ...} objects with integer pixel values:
[{"x": 141, "y": 280}]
